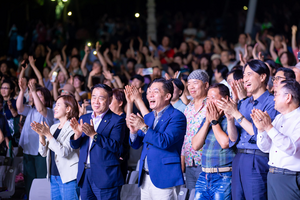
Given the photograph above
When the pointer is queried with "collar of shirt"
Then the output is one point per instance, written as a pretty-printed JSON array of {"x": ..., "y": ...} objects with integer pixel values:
[
  {"x": 160, "y": 113},
  {"x": 97, "y": 119},
  {"x": 203, "y": 104},
  {"x": 259, "y": 99}
]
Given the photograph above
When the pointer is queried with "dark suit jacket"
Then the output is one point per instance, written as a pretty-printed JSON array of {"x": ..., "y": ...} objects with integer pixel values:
[
  {"x": 162, "y": 146},
  {"x": 104, "y": 152}
]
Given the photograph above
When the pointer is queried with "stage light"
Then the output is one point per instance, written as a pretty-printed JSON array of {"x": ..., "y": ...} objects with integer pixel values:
[{"x": 137, "y": 15}]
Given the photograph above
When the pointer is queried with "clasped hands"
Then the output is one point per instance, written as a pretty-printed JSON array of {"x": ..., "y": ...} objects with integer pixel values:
[
  {"x": 87, "y": 129},
  {"x": 135, "y": 122},
  {"x": 261, "y": 120},
  {"x": 212, "y": 112}
]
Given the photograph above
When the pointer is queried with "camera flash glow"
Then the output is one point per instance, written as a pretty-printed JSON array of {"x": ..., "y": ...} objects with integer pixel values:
[
  {"x": 69, "y": 13},
  {"x": 89, "y": 44},
  {"x": 64, "y": 0},
  {"x": 137, "y": 15},
  {"x": 245, "y": 8},
  {"x": 95, "y": 52}
]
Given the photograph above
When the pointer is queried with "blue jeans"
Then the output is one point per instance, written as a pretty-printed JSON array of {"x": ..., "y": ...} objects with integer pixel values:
[
  {"x": 215, "y": 186},
  {"x": 63, "y": 191}
]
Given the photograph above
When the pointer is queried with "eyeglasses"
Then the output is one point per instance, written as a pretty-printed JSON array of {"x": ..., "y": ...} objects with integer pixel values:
[
  {"x": 5, "y": 88},
  {"x": 277, "y": 78}
]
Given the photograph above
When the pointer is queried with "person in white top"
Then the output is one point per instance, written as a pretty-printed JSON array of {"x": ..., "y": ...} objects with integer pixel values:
[{"x": 281, "y": 139}]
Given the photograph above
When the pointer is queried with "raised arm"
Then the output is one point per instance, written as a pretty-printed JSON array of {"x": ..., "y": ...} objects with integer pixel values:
[
  {"x": 217, "y": 48},
  {"x": 107, "y": 59},
  {"x": 61, "y": 67},
  {"x": 101, "y": 58},
  {"x": 119, "y": 50},
  {"x": 48, "y": 57},
  {"x": 37, "y": 102},
  {"x": 83, "y": 63},
  {"x": 137, "y": 96},
  {"x": 36, "y": 71},
  {"x": 140, "y": 44},
  {"x": 63, "y": 52},
  {"x": 199, "y": 139},
  {"x": 23, "y": 87},
  {"x": 272, "y": 52}
]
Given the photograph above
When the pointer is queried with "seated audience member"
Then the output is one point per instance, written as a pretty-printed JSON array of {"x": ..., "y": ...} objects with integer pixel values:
[
  {"x": 281, "y": 139},
  {"x": 161, "y": 134},
  {"x": 62, "y": 160},
  {"x": 78, "y": 83},
  {"x": 216, "y": 155},
  {"x": 220, "y": 75}
]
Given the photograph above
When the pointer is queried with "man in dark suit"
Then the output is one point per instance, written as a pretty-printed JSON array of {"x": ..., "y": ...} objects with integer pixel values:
[
  {"x": 99, "y": 136},
  {"x": 161, "y": 133}
]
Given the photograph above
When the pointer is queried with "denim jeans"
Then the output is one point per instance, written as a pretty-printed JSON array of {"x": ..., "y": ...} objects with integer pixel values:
[
  {"x": 214, "y": 186},
  {"x": 63, "y": 191}
]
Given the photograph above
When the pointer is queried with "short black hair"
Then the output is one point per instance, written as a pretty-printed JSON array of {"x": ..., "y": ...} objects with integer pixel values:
[
  {"x": 131, "y": 60},
  {"x": 259, "y": 67},
  {"x": 293, "y": 87},
  {"x": 288, "y": 73},
  {"x": 178, "y": 54},
  {"x": 223, "y": 69},
  {"x": 223, "y": 89},
  {"x": 174, "y": 66},
  {"x": 11, "y": 87},
  {"x": 167, "y": 85},
  {"x": 237, "y": 74},
  {"x": 178, "y": 84},
  {"x": 103, "y": 86}
]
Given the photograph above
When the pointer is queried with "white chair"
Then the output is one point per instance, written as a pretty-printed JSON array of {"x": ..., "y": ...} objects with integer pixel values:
[
  {"x": 9, "y": 183},
  {"x": 134, "y": 175},
  {"x": 192, "y": 194},
  {"x": 182, "y": 194},
  {"x": 40, "y": 189},
  {"x": 130, "y": 192}
]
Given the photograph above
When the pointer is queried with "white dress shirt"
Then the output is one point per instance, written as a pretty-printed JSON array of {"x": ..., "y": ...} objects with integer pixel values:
[
  {"x": 283, "y": 141},
  {"x": 96, "y": 121}
]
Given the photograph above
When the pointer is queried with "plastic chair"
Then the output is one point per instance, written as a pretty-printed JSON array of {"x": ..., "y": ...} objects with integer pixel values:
[
  {"x": 134, "y": 175},
  {"x": 9, "y": 183},
  {"x": 192, "y": 194},
  {"x": 130, "y": 192},
  {"x": 40, "y": 189},
  {"x": 182, "y": 194}
]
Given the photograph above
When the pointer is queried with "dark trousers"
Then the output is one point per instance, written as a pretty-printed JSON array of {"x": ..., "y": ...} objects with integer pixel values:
[
  {"x": 34, "y": 167},
  {"x": 249, "y": 177},
  {"x": 283, "y": 186},
  {"x": 90, "y": 191}
]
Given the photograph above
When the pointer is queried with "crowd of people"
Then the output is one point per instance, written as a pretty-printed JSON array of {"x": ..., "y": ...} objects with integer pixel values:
[{"x": 224, "y": 116}]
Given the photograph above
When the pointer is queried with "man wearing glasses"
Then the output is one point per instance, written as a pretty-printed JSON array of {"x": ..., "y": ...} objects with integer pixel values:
[
  {"x": 282, "y": 74},
  {"x": 281, "y": 139}
]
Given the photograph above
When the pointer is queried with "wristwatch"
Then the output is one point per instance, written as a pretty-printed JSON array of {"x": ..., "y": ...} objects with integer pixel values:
[
  {"x": 214, "y": 122},
  {"x": 239, "y": 120},
  {"x": 145, "y": 129}
]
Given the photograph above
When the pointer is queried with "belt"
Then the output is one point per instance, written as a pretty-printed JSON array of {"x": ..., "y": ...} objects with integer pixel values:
[
  {"x": 216, "y": 170},
  {"x": 87, "y": 166},
  {"x": 275, "y": 170},
  {"x": 146, "y": 172},
  {"x": 253, "y": 151}
]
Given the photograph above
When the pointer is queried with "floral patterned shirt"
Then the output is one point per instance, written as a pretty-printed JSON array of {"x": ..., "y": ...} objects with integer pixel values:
[{"x": 194, "y": 119}]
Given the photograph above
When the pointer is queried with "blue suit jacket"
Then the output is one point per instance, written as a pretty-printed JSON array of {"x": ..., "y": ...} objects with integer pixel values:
[
  {"x": 162, "y": 146},
  {"x": 104, "y": 153}
]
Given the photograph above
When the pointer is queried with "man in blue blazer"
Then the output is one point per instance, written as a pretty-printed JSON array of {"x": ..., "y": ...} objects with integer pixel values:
[
  {"x": 161, "y": 133},
  {"x": 99, "y": 136}
]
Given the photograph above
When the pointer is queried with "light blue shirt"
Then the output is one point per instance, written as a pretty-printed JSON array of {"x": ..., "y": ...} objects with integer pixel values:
[{"x": 179, "y": 105}]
